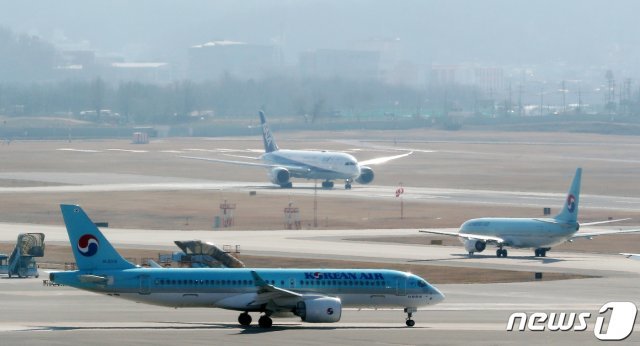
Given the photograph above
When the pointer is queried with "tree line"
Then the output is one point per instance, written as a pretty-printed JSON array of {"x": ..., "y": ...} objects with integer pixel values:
[{"x": 143, "y": 103}]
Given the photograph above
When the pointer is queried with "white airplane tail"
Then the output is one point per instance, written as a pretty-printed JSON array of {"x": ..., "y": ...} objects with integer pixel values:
[
  {"x": 569, "y": 213},
  {"x": 269, "y": 142}
]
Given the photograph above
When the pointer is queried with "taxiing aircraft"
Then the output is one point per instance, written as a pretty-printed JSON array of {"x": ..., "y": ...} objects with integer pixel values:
[
  {"x": 315, "y": 295},
  {"x": 283, "y": 164},
  {"x": 538, "y": 233}
]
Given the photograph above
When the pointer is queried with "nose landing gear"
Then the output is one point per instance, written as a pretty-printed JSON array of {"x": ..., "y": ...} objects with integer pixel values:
[{"x": 410, "y": 322}]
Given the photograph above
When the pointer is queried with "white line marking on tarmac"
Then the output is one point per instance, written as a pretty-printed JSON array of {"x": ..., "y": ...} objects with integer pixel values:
[
  {"x": 128, "y": 150},
  {"x": 79, "y": 150}
]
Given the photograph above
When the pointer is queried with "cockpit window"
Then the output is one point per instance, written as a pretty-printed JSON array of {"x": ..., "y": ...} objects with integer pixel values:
[
  {"x": 349, "y": 163},
  {"x": 422, "y": 283}
]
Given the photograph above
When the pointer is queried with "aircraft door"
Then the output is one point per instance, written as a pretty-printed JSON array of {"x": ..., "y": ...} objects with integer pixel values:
[
  {"x": 401, "y": 287},
  {"x": 144, "y": 285}
]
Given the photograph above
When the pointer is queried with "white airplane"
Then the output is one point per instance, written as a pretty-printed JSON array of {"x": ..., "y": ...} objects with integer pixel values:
[
  {"x": 308, "y": 164},
  {"x": 538, "y": 233},
  {"x": 314, "y": 295}
]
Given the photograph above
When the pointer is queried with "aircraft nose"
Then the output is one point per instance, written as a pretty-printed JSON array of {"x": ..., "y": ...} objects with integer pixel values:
[{"x": 436, "y": 295}]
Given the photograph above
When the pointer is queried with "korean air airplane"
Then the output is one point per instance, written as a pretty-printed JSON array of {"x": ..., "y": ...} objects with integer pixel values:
[
  {"x": 315, "y": 295},
  {"x": 285, "y": 164},
  {"x": 538, "y": 233}
]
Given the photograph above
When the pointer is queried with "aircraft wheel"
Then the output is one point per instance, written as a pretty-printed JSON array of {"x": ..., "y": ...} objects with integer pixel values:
[
  {"x": 244, "y": 319},
  {"x": 411, "y": 323},
  {"x": 504, "y": 253},
  {"x": 537, "y": 252},
  {"x": 265, "y": 321},
  {"x": 347, "y": 186}
]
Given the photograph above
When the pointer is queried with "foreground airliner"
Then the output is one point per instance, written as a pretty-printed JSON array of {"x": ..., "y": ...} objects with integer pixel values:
[
  {"x": 315, "y": 295},
  {"x": 308, "y": 164},
  {"x": 538, "y": 233}
]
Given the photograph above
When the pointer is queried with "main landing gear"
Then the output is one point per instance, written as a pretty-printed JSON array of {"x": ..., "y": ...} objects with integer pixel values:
[
  {"x": 501, "y": 252},
  {"x": 542, "y": 252},
  {"x": 410, "y": 322},
  {"x": 327, "y": 184},
  {"x": 287, "y": 185},
  {"x": 245, "y": 320},
  {"x": 265, "y": 321}
]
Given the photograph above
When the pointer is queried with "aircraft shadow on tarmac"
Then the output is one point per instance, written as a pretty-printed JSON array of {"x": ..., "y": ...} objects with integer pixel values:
[
  {"x": 255, "y": 329},
  {"x": 455, "y": 257}
]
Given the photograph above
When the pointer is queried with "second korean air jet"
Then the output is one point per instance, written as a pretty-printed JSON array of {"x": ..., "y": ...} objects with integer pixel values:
[
  {"x": 537, "y": 233},
  {"x": 283, "y": 164},
  {"x": 314, "y": 295}
]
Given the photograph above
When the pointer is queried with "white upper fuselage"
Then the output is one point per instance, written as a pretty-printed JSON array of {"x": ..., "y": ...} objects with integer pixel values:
[
  {"x": 522, "y": 232},
  {"x": 325, "y": 165}
]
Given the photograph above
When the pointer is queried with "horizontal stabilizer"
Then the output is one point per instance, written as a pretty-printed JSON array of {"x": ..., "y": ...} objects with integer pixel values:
[
  {"x": 93, "y": 279},
  {"x": 633, "y": 256}
]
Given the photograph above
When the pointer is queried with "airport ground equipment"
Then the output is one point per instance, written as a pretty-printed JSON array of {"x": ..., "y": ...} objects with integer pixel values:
[
  {"x": 4, "y": 264},
  {"x": 22, "y": 261},
  {"x": 207, "y": 255}
]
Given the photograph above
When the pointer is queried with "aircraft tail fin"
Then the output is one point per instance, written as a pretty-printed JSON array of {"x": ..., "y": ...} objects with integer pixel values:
[
  {"x": 90, "y": 248},
  {"x": 569, "y": 213},
  {"x": 269, "y": 142}
]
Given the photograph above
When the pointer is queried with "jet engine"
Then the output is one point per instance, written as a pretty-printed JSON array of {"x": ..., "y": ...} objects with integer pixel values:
[
  {"x": 474, "y": 245},
  {"x": 319, "y": 310},
  {"x": 279, "y": 175},
  {"x": 366, "y": 175}
]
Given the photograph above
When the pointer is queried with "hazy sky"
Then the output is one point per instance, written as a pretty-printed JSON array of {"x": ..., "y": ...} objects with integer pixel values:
[{"x": 491, "y": 31}]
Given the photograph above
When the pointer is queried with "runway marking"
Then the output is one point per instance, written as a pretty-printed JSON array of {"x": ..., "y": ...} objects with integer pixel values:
[
  {"x": 79, "y": 150},
  {"x": 129, "y": 150}
]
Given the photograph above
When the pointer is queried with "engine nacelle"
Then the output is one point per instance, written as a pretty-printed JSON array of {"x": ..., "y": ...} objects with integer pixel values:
[
  {"x": 366, "y": 175},
  {"x": 474, "y": 245},
  {"x": 319, "y": 310},
  {"x": 279, "y": 175}
]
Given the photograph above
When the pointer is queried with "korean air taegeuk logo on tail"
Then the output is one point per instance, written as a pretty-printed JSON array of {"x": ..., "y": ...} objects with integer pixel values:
[
  {"x": 88, "y": 245},
  {"x": 571, "y": 203}
]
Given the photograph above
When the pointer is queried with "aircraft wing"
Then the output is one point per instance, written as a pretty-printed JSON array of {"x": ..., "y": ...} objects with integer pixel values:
[
  {"x": 254, "y": 164},
  {"x": 267, "y": 293},
  {"x": 595, "y": 234},
  {"x": 381, "y": 160},
  {"x": 486, "y": 238},
  {"x": 243, "y": 156},
  {"x": 603, "y": 222}
]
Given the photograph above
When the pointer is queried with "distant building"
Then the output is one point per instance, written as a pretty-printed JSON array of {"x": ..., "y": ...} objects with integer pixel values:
[
  {"x": 489, "y": 79},
  {"x": 149, "y": 72},
  {"x": 242, "y": 60},
  {"x": 348, "y": 64}
]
